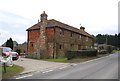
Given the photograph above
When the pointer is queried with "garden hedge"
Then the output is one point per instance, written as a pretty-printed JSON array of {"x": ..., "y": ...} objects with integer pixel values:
[{"x": 80, "y": 53}]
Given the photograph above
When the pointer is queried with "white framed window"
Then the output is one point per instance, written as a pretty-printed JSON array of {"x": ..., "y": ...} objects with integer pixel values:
[
  {"x": 80, "y": 36},
  {"x": 62, "y": 31},
  {"x": 87, "y": 38}
]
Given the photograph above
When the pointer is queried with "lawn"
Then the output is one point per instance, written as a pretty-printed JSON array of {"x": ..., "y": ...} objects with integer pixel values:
[{"x": 11, "y": 71}]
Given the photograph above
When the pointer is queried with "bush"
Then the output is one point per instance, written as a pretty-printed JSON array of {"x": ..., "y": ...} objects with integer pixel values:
[
  {"x": 109, "y": 48},
  {"x": 102, "y": 52},
  {"x": 18, "y": 51},
  {"x": 80, "y": 53}
]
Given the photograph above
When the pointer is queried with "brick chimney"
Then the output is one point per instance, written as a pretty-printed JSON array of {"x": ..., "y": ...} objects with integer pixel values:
[
  {"x": 82, "y": 28},
  {"x": 43, "y": 16},
  {"x": 43, "y": 38},
  {"x": 41, "y": 44}
]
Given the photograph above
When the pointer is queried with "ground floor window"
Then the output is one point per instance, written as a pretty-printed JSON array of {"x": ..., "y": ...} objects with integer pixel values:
[
  {"x": 79, "y": 47},
  {"x": 72, "y": 46}
]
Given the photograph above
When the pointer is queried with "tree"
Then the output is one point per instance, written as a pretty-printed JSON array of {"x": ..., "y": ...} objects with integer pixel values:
[
  {"x": 108, "y": 39},
  {"x": 18, "y": 51},
  {"x": 100, "y": 39},
  {"x": 9, "y": 43},
  {"x": 119, "y": 40}
]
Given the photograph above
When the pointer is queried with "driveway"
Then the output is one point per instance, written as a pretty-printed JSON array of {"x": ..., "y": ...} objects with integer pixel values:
[
  {"x": 32, "y": 65},
  {"x": 105, "y": 68}
]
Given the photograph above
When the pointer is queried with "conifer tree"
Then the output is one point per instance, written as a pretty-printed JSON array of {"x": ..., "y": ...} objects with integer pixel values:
[{"x": 9, "y": 43}]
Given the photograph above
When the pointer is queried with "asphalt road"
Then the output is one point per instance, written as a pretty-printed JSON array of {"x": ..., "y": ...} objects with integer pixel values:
[{"x": 102, "y": 68}]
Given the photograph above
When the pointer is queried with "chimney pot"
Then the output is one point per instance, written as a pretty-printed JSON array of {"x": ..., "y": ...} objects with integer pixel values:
[{"x": 82, "y": 28}]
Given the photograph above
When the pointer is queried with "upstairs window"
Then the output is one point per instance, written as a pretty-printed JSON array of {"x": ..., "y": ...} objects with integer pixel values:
[
  {"x": 71, "y": 34},
  {"x": 32, "y": 45},
  {"x": 72, "y": 45},
  {"x": 62, "y": 31},
  {"x": 80, "y": 36},
  {"x": 87, "y": 38}
]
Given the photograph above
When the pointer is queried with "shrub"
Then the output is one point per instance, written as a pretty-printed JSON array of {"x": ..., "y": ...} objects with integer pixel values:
[
  {"x": 102, "y": 52},
  {"x": 109, "y": 48},
  {"x": 80, "y": 53},
  {"x": 18, "y": 51}
]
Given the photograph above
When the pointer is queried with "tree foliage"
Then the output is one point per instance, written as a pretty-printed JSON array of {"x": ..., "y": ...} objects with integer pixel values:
[
  {"x": 108, "y": 39},
  {"x": 9, "y": 43}
]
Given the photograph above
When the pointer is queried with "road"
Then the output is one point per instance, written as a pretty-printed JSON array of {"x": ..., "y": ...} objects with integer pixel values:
[{"x": 102, "y": 68}]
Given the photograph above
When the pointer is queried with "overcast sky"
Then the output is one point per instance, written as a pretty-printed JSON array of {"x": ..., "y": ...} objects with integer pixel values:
[{"x": 97, "y": 16}]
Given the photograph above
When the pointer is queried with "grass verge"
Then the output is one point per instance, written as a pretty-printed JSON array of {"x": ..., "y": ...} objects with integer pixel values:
[
  {"x": 83, "y": 59},
  {"x": 75, "y": 60},
  {"x": 11, "y": 71}
]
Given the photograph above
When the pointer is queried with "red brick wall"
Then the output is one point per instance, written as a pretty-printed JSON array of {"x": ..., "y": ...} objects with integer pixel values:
[
  {"x": 33, "y": 35},
  {"x": 32, "y": 38},
  {"x": 50, "y": 34},
  {"x": 65, "y": 39}
]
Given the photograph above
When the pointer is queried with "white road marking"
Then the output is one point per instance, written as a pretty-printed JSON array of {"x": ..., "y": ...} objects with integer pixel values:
[
  {"x": 47, "y": 71},
  {"x": 24, "y": 76},
  {"x": 74, "y": 64},
  {"x": 63, "y": 67}
]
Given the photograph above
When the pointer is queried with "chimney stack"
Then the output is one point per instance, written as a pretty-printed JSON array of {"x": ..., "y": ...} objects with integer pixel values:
[
  {"x": 43, "y": 16},
  {"x": 82, "y": 28}
]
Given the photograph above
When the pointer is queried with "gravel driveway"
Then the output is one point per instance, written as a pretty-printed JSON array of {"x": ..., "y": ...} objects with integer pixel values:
[{"x": 32, "y": 65}]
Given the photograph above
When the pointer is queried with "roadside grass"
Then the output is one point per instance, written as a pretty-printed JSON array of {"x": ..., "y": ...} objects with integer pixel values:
[
  {"x": 51, "y": 60},
  {"x": 75, "y": 60},
  {"x": 11, "y": 71},
  {"x": 57, "y": 60}
]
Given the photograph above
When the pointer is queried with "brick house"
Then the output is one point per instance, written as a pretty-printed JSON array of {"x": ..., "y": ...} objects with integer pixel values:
[{"x": 51, "y": 38}]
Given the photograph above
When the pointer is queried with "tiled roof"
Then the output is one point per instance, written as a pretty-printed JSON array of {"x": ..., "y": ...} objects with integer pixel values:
[{"x": 55, "y": 23}]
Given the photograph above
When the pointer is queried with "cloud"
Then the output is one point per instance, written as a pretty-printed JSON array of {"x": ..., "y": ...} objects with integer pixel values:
[
  {"x": 3, "y": 36},
  {"x": 98, "y": 16},
  {"x": 105, "y": 29},
  {"x": 14, "y": 26}
]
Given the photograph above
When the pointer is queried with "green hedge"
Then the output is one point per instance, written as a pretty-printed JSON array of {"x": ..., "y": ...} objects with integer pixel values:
[{"x": 80, "y": 53}]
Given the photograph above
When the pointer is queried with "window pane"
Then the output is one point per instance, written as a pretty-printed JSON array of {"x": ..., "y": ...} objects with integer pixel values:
[{"x": 62, "y": 31}]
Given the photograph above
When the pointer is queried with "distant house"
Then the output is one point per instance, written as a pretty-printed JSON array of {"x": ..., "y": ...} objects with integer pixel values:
[
  {"x": 15, "y": 45},
  {"x": 22, "y": 47},
  {"x": 52, "y": 38}
]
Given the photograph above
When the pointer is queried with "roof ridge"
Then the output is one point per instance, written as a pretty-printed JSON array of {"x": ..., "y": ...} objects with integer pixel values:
[
  {"x": 65, "y": 24},
  {"x": 53, "y": 22},
  {"x": 70, "y": 26}
]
